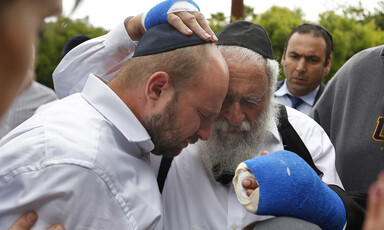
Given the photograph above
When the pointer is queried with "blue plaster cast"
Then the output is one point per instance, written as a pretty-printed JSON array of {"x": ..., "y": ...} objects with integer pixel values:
[
  {"x": 290, "y": 187},
  {"x": 158, "y": 14}
]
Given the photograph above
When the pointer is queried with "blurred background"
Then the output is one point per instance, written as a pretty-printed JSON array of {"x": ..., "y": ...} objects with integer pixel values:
[{"x": 355, "y": 25}]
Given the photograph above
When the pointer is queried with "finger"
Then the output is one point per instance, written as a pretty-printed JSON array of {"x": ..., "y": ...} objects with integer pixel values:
[
  {"x": 57, "y": 227},
  {"x": 204, "y": 24},
  {"x": 264, "y": 153},
  {"x": 380, "y": 192},
  {"x": 249, "y": 183},
  {"x": 189, "y": 20},
  {"x": 176, "y": 22},
  {"x": 25, "y": 222},
  {"x": 373, "y": 201},
  {"x": 249, "y": 191}
]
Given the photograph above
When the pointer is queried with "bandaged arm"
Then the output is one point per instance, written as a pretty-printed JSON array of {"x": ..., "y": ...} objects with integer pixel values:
[{"x": 289, "y": 187}]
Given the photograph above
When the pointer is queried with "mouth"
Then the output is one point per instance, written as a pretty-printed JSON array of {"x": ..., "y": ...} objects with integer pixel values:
[
  {"x": 235, "y": 132},
  {"x": 298, "y": 79},
  {"x": 232, "y": 132}
]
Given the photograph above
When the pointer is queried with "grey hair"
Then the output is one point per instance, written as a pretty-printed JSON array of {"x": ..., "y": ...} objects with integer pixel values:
[{"x": 245, "y": 55}]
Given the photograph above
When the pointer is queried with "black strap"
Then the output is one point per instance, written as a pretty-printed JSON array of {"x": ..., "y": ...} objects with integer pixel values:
[
  {"x": 165, "y": 164},
  {"x": 292, "y": 140},
  {"x": 355, "y": 212}
]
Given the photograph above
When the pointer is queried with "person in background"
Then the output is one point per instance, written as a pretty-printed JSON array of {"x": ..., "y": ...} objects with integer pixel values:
[
  {"x": 306, "y": 60},
  {"x": 32, "y": 96},
  {"x": 351, "y": 111}
]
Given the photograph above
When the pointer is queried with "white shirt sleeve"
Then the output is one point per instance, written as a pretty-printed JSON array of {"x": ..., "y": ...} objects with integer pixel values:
[{"x": 103, "y": 56}]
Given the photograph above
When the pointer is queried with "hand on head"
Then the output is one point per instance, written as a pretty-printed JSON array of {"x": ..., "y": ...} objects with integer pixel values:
[{"x": 183, "y": 15}]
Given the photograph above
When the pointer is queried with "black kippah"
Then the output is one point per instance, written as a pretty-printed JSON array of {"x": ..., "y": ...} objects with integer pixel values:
[
  {"x": 248, "y": 35},
  {"x": 163, "y": 38}
]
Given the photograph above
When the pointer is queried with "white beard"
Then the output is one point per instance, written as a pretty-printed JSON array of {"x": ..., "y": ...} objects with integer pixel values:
[{"x": 222, "y": 152}]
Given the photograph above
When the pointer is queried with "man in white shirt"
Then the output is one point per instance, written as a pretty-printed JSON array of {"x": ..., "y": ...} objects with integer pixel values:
[
  {"x": 306, "y": 60},
  {"x": 88, "y": 154},
  {"x": 191, "y": 186}
]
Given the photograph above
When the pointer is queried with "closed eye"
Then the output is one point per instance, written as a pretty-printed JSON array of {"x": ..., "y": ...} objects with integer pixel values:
[{"x": 253, "y": 100}]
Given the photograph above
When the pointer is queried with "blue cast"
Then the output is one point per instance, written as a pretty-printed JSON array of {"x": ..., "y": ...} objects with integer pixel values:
[
  {"x": 158, "y": 14},
  {"x": 290, "y": 187}
]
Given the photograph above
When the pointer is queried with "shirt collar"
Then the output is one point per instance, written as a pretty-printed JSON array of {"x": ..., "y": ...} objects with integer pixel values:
[
  {"x": 108, "y": 104},
  {"x": 309, "y": 98}
]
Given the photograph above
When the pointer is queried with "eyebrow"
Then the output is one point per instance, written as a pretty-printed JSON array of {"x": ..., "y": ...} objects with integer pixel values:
[
  {"x": 252, "y": 98},
  {"x": 255, "y": 99},
  {"x": 306, "y": 57}
]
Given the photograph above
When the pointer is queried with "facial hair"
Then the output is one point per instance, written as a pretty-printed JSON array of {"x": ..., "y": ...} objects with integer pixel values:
[
  {"x": 165, "y": 131},
  {"x": 223, "y": 152}
]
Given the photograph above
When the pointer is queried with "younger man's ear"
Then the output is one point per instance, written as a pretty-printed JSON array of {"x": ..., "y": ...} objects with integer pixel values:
[{"x": 157, "y": 85}]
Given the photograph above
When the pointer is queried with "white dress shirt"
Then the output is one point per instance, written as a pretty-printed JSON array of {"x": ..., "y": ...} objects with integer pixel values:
[
  {"x": 83, "y": 162},
  {"x": 192, "y": 198},
  {"x": 308, "y": 100}
]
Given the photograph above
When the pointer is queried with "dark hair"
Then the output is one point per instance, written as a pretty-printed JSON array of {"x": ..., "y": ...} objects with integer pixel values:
[{"x": 317, "y": 30}]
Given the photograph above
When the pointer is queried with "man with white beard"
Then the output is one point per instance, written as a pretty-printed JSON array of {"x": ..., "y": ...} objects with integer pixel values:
[{"x": 197, "y": 193}]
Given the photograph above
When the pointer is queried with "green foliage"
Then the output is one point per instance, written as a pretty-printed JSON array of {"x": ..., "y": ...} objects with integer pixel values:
[
  {"x": 53, "y": 39},
  {"x": 217, "y": 21},
  {"x": 350, "y": 35},
  {"x": 278, "y": 22},
  {"x": 356, "y": 29}
]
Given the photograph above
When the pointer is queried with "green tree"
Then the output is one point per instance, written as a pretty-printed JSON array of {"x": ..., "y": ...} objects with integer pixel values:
[
  {"x": 278, "y": 22},
  {"x": 350, "y": 35},
  {"x": 53, "y": 39}
]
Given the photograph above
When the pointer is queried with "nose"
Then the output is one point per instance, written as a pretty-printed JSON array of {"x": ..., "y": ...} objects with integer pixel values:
[
  {"x": 235, "y": 114},
  {"x": 205, "y": 130},
  {"x": 301, "y": 65}
]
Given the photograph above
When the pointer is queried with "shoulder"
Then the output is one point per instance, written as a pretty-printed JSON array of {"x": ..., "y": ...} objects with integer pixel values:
[{"x": 302, "y": 123}]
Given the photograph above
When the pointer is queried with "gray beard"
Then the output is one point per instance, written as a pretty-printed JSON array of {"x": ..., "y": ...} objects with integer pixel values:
[{"x": 222, "y": 152}]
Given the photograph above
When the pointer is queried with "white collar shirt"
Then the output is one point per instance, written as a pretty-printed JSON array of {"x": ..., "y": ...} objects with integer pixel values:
[
  {"x": 82, "y": 162},
  {"x": 193, "y": 200},
  {"x": 308, "y": 99}
]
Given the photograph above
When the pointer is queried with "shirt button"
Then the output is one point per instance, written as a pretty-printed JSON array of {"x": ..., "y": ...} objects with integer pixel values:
[{"x": 234, "y": 227}]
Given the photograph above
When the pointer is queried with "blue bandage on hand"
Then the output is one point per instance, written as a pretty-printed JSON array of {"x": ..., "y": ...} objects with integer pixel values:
[
  {"x": 288, "y": 186},
  {"x": 158, "y": 14}
]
